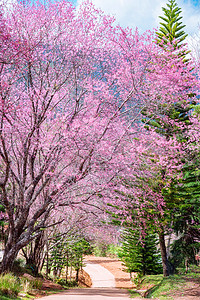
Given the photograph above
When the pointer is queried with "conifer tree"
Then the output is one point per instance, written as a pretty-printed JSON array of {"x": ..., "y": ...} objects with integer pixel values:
[
  {"x": 172, "y": 121},
  {"x": 171, "y": 33},
  {"x": 171, "y": 29},
  {"x": 140, "y": 255},
  {"x": 182, "y": 196},
  {"x": 185, "y": 194}
]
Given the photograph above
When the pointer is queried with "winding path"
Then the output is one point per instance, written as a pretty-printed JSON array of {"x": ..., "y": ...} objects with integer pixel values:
[
  {"x": 103, "y": 287},
  {"x": 101, "y": 277}
]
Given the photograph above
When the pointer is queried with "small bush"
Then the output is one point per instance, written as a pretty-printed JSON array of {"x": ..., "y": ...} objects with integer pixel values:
[
  {"x": 100, "y": 249},
  {"x": 37, "y": 284},
  {"x": 26, "y": 285},
  {"x": 138, "y": 279},
  {"x": 30, "y": 283},
  {"x": 18, "y": 267},
  {"x": 9, "y": 285},
  {"x": 113, "y": 251},
  {"x": 62, "y": 282},
  {"x": 71, "y": 283}
]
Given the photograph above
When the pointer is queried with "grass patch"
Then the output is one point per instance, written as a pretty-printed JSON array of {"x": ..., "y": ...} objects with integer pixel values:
[
  {"x": 150, "y": 280},
  {"x": 163, "y": 288},
  {"x": 69, "y": 284},
  {"x": 9, "y": 285},
  {"x": 134, "y": 294},
  {"x": 8, "y": 298}
]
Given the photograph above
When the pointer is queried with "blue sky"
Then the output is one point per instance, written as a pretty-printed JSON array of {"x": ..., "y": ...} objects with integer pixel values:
[{"x": 144, "y": 13}]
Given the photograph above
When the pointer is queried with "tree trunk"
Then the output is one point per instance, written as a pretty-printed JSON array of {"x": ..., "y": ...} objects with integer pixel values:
[
  {"x": 77, "y": 275},
  {"x": 42, "y": 262},
  {"x": 17, "y": 239},
  {"x": 35, "y": 257},
  {"x": 67, "y": 267},
  {"x": 59, "y": 272},
  {"x": 47, "y": 258},
  {"x": 9, "y": 256},
  {"x": 70, "y": 276},
  {"x": 186, "y": 265},
  {"x": 168, "y": 244},
  {"x": 55, "y": 271},
  {"x": 163, "y": 254},
  {"x": 66, "y": 274}
]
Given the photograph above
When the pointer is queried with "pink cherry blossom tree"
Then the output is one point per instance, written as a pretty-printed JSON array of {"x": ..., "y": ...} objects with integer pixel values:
[{"x": 60, "y": 111}]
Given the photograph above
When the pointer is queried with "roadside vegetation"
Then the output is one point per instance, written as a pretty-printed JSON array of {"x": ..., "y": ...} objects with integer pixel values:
[
  {"x": 166, "y": 288},
  {"x": 11, "y": 287},
  {"x": 17, "y": 287}
]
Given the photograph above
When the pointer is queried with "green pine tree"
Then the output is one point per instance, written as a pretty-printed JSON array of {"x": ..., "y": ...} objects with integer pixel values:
[
  {"x": 138, "y": 255},
  {"x": 173, "y": 121},
  {"x": 171, "y": 30},
  {"x": 171, "y": 33},
  {"x": 185, "y": 194}
]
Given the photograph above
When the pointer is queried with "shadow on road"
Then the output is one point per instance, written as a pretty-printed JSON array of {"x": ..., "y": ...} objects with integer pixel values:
[
  {"x": 90, "y": 294},
  {"x": 109, "y": 292}
]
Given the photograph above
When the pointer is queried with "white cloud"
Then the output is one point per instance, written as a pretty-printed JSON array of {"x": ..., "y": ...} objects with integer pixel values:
[
  {"x": 144, "y": 13},
  {"x": 7, "y": 5},
  {"x": 191, "y": 16}
]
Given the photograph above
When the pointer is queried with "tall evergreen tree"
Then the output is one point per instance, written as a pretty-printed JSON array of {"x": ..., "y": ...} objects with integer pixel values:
[
  {"x": 171, "y": 33},
  {"x": 183, "y": 195},
  {"x": 171, "y": 30},
  {"x": 138, "y": 255},
  {"x": 173, "y": 121}
]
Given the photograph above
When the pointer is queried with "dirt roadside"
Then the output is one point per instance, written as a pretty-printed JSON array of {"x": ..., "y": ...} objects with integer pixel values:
[{"x": 115, "y": 266}]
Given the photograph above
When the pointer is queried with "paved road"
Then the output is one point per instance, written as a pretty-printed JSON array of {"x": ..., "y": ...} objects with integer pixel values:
[
  {"x": 100, "y": 276},
  {"x": 103, "y": 287},
  {"x": 90, "y": 294}
]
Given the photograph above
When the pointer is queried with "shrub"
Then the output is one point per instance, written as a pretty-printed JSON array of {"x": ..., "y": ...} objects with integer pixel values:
[
  {"x": 26, "y": 285},
  {"x": 30, "y": 282},
  {"x": 19, "y": 267},
  {"x": 37, "y": 284},
  {"x": 140, "y": 256},
  {"x": 9, "y": 285},
  {"x": 62, "y": 282}
]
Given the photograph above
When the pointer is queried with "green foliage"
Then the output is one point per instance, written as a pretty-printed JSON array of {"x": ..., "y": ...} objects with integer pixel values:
[
  {"x": 9, "y": 298},
  {"x": 163, "y": 288},
  {"x": 3, "y": 223},
  {"x": 26, "y": 285},
  {"x": 105, "y": 250},
  {"x": 68, "y": 253},
  {"x": 9, "y": 285},
  {"x": 171, "y": 32},
  {"x": 138, "y": 279},
  {"x": 19, "y": 267},
  {"x": 183, "y": 251},
  {"x": 140, "y": 256},
  {"x": 37, "y": 284},
  {"x": 184, "y": 194},
  {"x": 175, "y": 123},
  {"x": 113, "y": 250},
  {"x": 100, "y": 249},
  {"x": 171, "y": 29},
  {"x": 2, "y": 209},
  {"x": 62, "y": 282}
]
